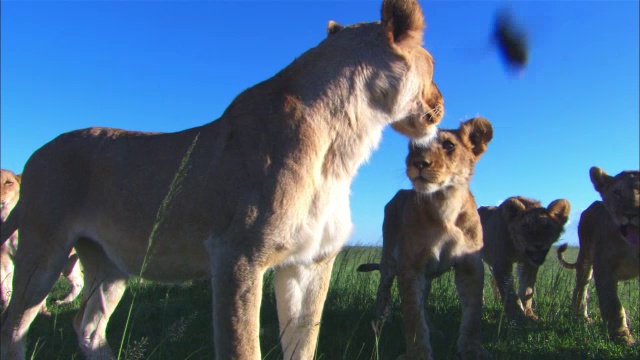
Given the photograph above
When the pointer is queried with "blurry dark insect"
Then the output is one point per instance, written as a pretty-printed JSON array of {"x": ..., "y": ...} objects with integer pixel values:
[{"x": 511, "y": 41}]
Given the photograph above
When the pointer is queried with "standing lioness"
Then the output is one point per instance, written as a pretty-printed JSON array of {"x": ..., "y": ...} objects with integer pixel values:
[
  {"x": 264, "y": 186},
  {"x": 432, "y": 228}
]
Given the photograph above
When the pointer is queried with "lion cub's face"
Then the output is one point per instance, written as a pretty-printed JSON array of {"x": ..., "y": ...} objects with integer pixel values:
[
  {"x": 621, "y": 196},
  {"x": 9, "y": 192},
  {"x": 449, "y": 159},
  {"x": 533, "y": 227}
]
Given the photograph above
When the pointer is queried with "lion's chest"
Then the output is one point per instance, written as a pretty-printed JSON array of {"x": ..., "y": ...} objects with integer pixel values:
[
  {"x": 323, "y": 228},
  {"x": 441, "y": 257},
  {"x": 434, "y": 249}
]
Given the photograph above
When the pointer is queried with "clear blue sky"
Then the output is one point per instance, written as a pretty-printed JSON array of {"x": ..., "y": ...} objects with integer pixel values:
[{"x": 167, "y": 66}]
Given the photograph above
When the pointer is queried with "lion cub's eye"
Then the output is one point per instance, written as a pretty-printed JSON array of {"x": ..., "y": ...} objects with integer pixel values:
[
  {"x": 617, "y": 193},
  {"x": 448, "y": 145}
]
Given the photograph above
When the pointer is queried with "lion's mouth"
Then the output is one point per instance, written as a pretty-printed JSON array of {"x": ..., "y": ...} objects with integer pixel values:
[{"x": 631, "y": 234}]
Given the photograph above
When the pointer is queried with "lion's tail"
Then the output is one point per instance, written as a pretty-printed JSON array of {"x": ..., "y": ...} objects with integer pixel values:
[
  {"x": 562, "y": 261},
  {"x": 368, "y": 267},
  {"x": 10, "y": 225}
]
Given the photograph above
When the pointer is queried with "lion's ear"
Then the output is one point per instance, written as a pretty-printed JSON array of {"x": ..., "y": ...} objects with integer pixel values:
[
  {"x": 333, "y": 28},
  {"x": 476, "y": 133},
  {"x": 19, "y": 178},
  {"x": 599, "y": 178},
  {"x": 560, "y": 210},
  {"x": 511, "y": 207},
  {"x": 403, "y": 22}
]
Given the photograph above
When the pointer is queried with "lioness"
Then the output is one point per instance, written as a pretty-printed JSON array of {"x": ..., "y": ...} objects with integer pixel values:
[
  {"x": 432, "y": 228},
  {"x": 264, "y": 186},
  {"x": 521, "y": 231},
  {"x": 10, "y": 192},
  {"x": 609, "y": 248}
]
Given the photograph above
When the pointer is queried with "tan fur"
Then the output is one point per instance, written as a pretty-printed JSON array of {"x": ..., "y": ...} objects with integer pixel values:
[
  {"x": 432, "y": 228},
  {"x": 10, "y": 191},
  {"x": 608, "y": 234},
  {"x": 264, "y": 186},
  {"x": 520, "y": 231}
]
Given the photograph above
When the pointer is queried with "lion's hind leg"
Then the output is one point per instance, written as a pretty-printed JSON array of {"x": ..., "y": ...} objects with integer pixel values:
[
  {"x": 105, "y": 285},
  {"x": 579, "y": 299},
  {"x": 383, "y": 297},
  {"x": 73, "y": 272}
]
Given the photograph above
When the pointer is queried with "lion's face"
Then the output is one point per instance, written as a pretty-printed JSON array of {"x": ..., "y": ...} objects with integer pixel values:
[
  {"x": 9, "y": 192},
  {"x": 621, "y": 197},
  {"x": 449, "y": 159},
  {"x": 428, "y": 107},
  {"x": 404, "y": 88},
  {"x": 533, "y": 227}
]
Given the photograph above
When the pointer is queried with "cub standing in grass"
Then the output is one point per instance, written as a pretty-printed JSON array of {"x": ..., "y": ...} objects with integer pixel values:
[
  {"x": 10, "y": 193},
  {"x": 521, "y": 231},
  {"x": 609, "y": 248},
  {"x": 264, "y": 186},
  {"x": 432, "y": 228}
]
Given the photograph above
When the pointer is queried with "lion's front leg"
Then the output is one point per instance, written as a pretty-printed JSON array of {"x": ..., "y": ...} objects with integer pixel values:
[
  {"x": 413, "y": 286},
  {"x": 469, "y": 281},
  {"x": 527, "y": 274},
  {"x": 504, "y": 280},
  {"x": 610, "y": 307},
  {"x": 300, "y": 294},
  {"x": 236, "y": 295}
]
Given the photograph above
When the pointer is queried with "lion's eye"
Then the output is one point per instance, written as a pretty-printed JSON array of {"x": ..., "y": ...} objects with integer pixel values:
[
  {"x": 448, "y": 145},
  {"x": 617, "y": 193}
]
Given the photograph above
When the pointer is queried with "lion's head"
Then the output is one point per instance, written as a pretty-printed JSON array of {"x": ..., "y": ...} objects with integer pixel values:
[
  {"x": 9, "y": 192},
  {"x": 621, "y": 197},
  {"x": 533, "y": 227},
  {"x": 388, "y": 63},
  {"x": 448, "y": 159}
]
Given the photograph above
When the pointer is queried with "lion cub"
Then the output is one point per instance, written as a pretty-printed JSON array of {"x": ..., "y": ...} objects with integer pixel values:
[
  {"x": 609, "y": 248},
  {"x": 432, "y": 228},
  {"x": 521, "y": 231}
]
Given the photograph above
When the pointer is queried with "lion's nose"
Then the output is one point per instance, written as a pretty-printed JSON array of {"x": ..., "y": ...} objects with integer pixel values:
[{"x": 421, "y": 164}]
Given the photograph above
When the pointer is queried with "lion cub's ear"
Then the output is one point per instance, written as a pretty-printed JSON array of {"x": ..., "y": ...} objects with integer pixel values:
[
  {"x": 599, "y": 178},
  {"x": 476, "y": 134},
  {"x": 333, "y": 28},
  {"x": 511, "y": 207},
  {"x": 19, "y": 178},
  {"x": 403, "y": 22},
  {"x": 560, "y": 209}
]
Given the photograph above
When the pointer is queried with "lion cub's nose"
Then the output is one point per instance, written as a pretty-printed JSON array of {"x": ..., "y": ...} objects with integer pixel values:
[{"x": 421, "y": 164}]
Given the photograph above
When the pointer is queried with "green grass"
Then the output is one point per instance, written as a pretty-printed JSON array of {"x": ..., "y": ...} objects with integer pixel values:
[{"x": 174, "y": 321}]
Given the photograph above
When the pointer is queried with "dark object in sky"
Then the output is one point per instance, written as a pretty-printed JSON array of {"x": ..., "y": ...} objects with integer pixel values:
[{"x": 511, "y": 41}]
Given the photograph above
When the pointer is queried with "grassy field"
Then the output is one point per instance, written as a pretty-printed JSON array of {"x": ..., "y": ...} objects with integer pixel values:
[{"x": 174, "y": 321}]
